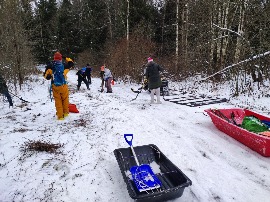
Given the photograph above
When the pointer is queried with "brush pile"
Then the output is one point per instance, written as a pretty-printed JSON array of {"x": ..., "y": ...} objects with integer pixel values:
[{"x": 40, "y": 146}]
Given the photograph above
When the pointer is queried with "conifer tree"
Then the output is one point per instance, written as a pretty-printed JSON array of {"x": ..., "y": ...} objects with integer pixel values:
[
  {"x": 44, "y": 34},
  {"x": 67, "y": 32},
  {"x": 95, "y": 24}
]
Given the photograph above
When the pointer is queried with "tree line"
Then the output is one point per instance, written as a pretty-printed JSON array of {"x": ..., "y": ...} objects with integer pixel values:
[{"x": 187, "y": 37}]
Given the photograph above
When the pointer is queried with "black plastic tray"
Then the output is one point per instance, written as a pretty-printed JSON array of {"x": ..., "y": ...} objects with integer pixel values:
[{"x": 172, "y": 178}]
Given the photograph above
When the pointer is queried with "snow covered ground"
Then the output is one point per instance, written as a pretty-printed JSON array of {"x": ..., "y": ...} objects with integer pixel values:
[{"x": 220, "y": 168}]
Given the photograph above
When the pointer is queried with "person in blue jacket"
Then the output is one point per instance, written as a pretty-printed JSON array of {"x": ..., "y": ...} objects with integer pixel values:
[{"x": 82, "y": 77}]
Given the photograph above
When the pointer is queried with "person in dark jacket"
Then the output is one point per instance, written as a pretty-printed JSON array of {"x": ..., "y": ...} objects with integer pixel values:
[
  {"x": 154, "y": 80},
  {"x": 88, "y": 72},
  {"x": 4, "y": 91},
  {"x": 82, "y": 77}
]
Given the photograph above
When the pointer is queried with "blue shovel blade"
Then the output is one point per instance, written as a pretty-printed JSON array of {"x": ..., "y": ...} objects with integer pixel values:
[{"x": 144, "y": 178}]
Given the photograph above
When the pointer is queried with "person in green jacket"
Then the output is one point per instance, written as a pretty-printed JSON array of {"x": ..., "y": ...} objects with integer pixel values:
[
  {"x": 154, "y": 80},
  {"x": 4, "y": 90}
]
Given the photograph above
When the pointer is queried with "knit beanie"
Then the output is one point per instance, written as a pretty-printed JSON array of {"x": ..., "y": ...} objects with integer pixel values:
[
  {"x": 149, "y": 59},
  {"x": 57, "y": 56}
]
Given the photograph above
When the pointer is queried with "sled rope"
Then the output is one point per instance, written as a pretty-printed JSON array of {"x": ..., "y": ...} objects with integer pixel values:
[{"x": 18, "y": 97}]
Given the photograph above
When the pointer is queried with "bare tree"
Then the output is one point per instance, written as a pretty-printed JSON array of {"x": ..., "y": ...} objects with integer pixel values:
[{"x": 15, "y": 52}]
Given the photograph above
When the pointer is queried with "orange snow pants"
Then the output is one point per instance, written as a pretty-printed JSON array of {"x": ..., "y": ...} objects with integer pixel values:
[{"x": 60, "y": 94}]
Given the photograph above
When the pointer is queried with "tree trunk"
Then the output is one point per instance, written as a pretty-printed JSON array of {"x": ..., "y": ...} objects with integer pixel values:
[
  {"x": 176, "y": 39},
  {"x": 240, "y": 30},
  {"x": 127, "y": 34},
  {"x": 109, "y": 18},
  {"x": 184, "y": 42}
]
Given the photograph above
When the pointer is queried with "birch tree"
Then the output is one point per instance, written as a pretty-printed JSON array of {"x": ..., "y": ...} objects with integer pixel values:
[
  {"x": 176, "y": 38},
  {"x": 184, "y": 34}
]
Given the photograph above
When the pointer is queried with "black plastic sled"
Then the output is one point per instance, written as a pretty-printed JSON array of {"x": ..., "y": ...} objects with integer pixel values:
[{"x": 173, "y": 180}]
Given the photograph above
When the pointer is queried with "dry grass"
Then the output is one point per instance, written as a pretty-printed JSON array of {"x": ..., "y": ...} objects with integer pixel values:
[
  {"x": 80, "y": 122},
  {"x": 31, "y": 147}
]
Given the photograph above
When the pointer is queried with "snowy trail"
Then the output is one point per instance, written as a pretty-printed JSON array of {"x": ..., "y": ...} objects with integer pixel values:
[{"x": 220, "y": 168}]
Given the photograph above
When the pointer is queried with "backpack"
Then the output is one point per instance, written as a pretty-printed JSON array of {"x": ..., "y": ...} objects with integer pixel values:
[
  {"x": 58, "y": 73},
  {"x": 253, "y": 124}
]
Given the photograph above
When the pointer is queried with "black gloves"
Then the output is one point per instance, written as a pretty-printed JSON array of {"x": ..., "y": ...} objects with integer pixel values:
[{"x": 49, "y": 76}]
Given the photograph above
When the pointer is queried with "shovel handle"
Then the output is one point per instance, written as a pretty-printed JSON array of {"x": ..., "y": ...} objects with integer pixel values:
[
  {"x": 130, "y": 144},
  {"x": 129, "y": 141},
  {"x": 135, "y": 156}
]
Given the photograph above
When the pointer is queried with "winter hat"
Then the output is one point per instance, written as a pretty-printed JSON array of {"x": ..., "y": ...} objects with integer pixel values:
[
  {"x": 57, "y": 56},
  {"x": 149, "y": 59},
  {"x": 87, "y": 65},
  {"x": 68, "y": 59}
]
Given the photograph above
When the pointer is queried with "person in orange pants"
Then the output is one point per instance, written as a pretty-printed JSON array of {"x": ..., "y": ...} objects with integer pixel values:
[
  {"x": 55, "y": 72},
  {"x": 61, "y": 97}
]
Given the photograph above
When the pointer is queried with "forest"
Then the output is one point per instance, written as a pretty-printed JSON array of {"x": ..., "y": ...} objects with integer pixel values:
[{"x": 187, "y": 37}]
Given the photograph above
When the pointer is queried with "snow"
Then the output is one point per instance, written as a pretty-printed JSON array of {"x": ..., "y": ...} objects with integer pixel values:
[{"x": 220, "y": 168}]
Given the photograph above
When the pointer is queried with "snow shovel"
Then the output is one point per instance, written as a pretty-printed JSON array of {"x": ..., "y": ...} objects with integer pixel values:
[{"x": 142, "y": 175}]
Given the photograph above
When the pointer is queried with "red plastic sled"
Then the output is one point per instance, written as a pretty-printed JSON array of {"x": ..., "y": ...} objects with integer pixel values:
[
  {"x": 73, "y": 108},
  {"x": 254, "y": 141}
]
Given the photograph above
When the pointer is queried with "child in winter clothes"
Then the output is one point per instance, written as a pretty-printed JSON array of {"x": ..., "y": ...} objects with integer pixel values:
[
  {"x": 88, "y": 72},
  {"x": 4, "y": 90},
  {"x": 55, "y": 71},
  {"x": 68, "y": 64},
  {"x": 108, "y": 79},
  {"x": 82, "y": 77},
  {"x": 154, "y": 81}
]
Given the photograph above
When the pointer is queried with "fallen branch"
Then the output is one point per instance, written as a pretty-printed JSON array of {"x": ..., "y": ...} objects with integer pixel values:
[{"x": 233, "y": 65}]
